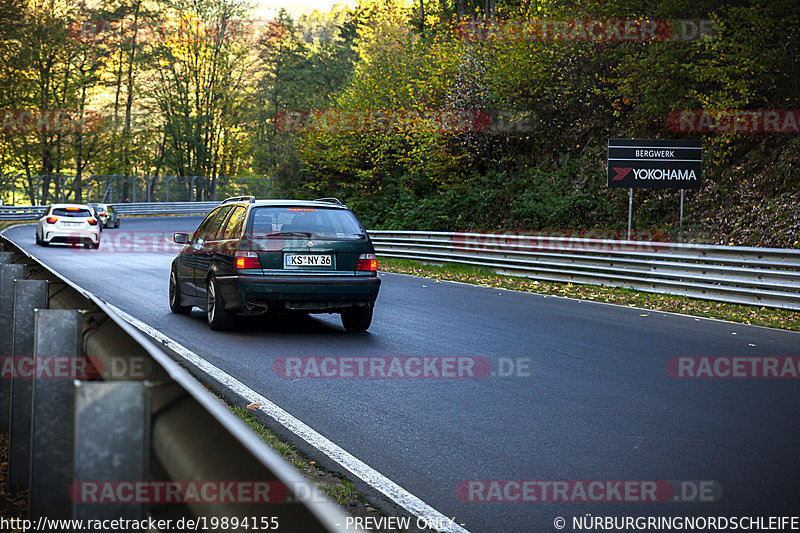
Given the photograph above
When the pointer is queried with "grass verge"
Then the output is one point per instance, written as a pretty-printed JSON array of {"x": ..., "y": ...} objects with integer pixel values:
[
  {"x": 337, "y": 487},
  {"x": 9, "y": 223},
  {"x": 485, "y": 277}
]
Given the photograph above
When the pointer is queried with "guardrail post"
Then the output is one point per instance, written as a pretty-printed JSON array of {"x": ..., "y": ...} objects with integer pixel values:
[
  {"x": 112, "y": 443},
  {"x": 168, "y": 180},
  {"x": 150, "y": 186},
  {"x": 630, "y": 211},
  {"x": 680, "y": 226},
  {"x": 8, "y": 273},
  {"x": 29, "y": 294},
  {"x": 133, "y": 186},
  {"x": 79, "y": 192},
  {"x": 109, "y": 192},
  {"x": 88, "y": 188},
  {"x": 191, "y": 190},
  {"x": 14, "y": 188},
  {"x": 92, "y": 178},
  {"x": 241, "y": 186},
  {"x": 57, "y": 333}
]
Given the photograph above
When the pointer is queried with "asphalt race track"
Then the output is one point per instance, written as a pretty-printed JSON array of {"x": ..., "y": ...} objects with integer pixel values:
[{"x": 598, "y": 404}]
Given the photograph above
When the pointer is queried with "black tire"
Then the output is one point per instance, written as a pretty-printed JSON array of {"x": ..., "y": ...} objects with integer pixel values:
[
  {"x": 357, "y": 319},
  {"x": 175, "y": 297},
  {"x": 219, "y": 319},
  {"x": 38, "y": 240},
  {"x": 116, "y": 224}
]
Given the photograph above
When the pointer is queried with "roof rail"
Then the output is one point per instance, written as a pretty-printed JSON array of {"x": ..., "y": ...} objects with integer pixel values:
[
  {"x": 329, "y": 200},
  {"x": 249, "y": 198}
]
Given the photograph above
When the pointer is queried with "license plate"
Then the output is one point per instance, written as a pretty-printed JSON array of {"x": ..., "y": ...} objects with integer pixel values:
[
  {"x": 309, "y": 260},
  {"x": 72, "y": 223}
]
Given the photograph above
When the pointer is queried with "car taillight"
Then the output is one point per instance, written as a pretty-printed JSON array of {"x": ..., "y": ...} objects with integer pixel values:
[
  {"x": 51, "y": 220},
  {"x": 247, "y": 260},
  {"x": 103, "y": 214},
  {"x": 367, "y": 262},
  {"x": 92, "y": 222}
]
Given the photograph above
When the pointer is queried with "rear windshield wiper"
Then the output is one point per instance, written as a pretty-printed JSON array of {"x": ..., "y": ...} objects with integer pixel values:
[{"x": 287, "y": 234}]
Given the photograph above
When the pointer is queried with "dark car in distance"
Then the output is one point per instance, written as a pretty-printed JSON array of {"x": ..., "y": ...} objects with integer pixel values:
[
  {"x": 108, "y": 215},
  {"x": 276, "y": 256}
]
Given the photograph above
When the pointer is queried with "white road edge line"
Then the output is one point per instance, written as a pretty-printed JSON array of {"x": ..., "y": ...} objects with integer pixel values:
[{"x": 358, "y": 468}]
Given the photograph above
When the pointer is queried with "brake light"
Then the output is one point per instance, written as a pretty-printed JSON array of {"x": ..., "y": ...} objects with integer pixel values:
[
  {"x": 92, "y": 222},
  {"x": 72, "y": 209},
  {"x": 51, "y": 220},
  {"x": 247, "y": 260},
  {"x": 368, "y": 263}
]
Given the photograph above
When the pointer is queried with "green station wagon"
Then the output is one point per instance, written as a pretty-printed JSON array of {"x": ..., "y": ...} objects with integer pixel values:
[{"x": 276, "y": 256}]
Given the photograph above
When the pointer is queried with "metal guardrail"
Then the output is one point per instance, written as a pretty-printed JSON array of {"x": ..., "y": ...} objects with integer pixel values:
[
  {"x": 140, "y": 208},
  {"x": 23, "y": 212},
  {"x": 165, "y": 208},
  {"x": 754, "y": 276},
  {"x": 141, "y": 418}
]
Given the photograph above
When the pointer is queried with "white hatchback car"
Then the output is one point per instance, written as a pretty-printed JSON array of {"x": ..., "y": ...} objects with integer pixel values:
[{"x": 68, "y": 223}]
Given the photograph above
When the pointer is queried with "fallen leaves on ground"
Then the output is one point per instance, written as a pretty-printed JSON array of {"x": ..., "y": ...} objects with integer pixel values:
[{"x": 746, "y": 314}]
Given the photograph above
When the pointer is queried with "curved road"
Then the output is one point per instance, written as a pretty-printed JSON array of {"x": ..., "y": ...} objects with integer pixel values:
[{"x": 599, "y": 404}]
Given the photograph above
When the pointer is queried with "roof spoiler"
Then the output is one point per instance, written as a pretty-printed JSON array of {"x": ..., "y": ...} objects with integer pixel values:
[
  {"x": 248, "y": 198},
  {"x": 330, "y": 200}
]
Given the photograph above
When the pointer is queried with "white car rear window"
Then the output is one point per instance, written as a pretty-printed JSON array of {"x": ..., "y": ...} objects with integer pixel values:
[{"x": 75, "y": 213}]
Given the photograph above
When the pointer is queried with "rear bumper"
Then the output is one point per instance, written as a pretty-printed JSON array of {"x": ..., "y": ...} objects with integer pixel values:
[
  {"x": 72, "y": 236},
  {"x": 306, "y": 293}
]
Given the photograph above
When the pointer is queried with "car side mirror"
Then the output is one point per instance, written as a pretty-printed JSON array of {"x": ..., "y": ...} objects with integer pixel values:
[{"x": 181, "y": 238}]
